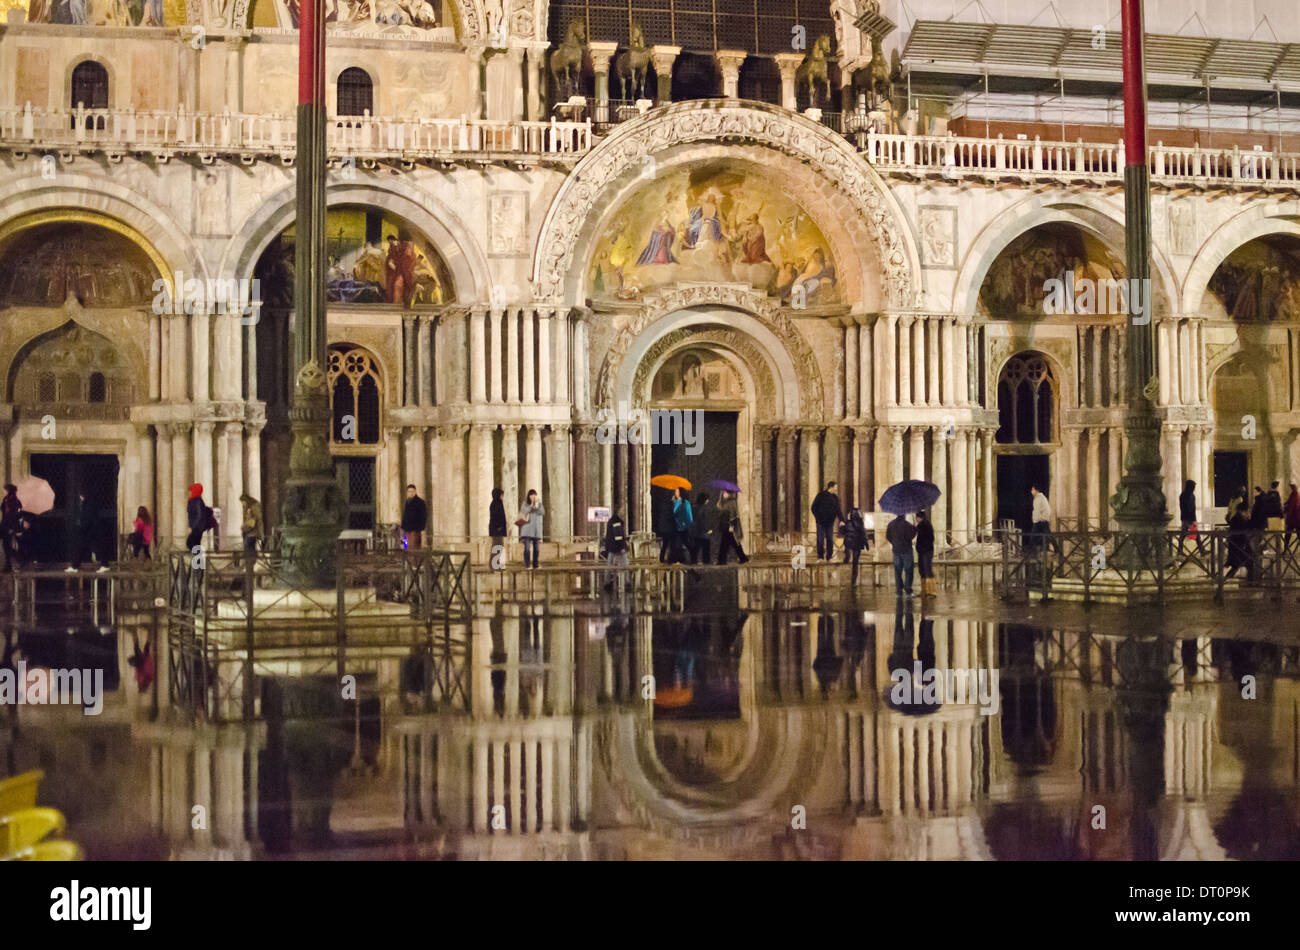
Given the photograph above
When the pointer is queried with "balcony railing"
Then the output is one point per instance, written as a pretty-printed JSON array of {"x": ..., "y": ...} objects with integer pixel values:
[
  {"x": 952, "y": 157},
  {"x": 380, "y": 137}
]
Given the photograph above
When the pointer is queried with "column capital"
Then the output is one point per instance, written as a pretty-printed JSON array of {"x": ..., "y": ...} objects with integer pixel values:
[
  {"x": 560, "y": 428},
  {"x": 663, "y": 57},
  {"x": 204, "y": 427},
  {"x": 233, "y": 427},
  {"x": 864, "y": 433},
  {"x": 511, "y": 427},
  {"x": 786, "y": 434},
  {"x": 601, "y": 53},
  {"x": 453, "y": 430},
  {"x": 788, "y": 64},
  {"x": 584, "y": 432},
  {"x": 964, "y": 319},
  {"x": 844, "y": 433},
  {"x": 482, "y": 428}
]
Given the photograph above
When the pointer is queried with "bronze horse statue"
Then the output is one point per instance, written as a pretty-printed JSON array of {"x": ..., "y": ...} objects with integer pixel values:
[
  {"x": 633, "y": 64},
  {"x": 566, "y": 60},
  {"x": 881, "y": 78},
  {"x": 815, "y": 70}
]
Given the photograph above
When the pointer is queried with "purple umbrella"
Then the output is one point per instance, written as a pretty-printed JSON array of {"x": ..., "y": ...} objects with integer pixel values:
[{"x": 721, "y": 484}]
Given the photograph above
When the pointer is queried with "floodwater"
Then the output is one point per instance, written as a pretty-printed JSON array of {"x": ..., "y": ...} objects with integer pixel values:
[{"x": 834, "y": 729}]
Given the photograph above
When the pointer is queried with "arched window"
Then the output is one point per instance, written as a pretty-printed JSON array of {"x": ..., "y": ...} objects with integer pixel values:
[
  {"x": 1025, "y": 400},
  {"x": 90, "y": 89},
  {"x": 356, "y": 92},
  {"x": 354, "y": 396},
  {"x": 97, "y": 391}
]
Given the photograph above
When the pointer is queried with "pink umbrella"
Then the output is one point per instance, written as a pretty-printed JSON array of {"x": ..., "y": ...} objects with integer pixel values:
[{"x": 36, "y": 495}]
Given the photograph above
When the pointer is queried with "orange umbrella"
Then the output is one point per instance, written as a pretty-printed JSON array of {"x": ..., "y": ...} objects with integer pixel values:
[
  {"x": 674, "y": 697},
  {"x": 670, "y": 482}
]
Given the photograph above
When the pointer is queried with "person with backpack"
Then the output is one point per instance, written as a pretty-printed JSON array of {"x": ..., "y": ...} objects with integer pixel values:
[
  {"x": 702, "y": 527},
  {"x": 616, "y": 549},
  {"x": 854, "y": 532},
  {"x": 199, "y": 516},
  {"x": 728, "y": 528}
]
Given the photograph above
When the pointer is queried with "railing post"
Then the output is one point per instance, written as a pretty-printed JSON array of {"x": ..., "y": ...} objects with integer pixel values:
[{"x": 1037, "y": 154}]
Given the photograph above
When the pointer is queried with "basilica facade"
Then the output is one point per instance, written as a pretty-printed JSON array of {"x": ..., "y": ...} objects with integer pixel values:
[{"x": 545, "y": 216}]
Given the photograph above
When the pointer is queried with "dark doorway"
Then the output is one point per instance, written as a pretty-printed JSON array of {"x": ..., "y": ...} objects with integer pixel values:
[
  {"x": 1230, "y": 475},
  {"x": 94, "y": 476},
  {"x": 357, "y": 482},
  {"x": 716, "y": 458},
  {"x": 1015, "y": 474}
]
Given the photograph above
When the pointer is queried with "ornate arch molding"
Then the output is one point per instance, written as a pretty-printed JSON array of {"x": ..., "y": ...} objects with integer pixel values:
[
  {"x": 453, "y": 240},
  {"x": 1101, "y": 217},
  {"x": 720, "y": 120},
  {"x": 1256, "y": 222},
  {"x": 106, "y": 203},
  {"x": 661, "y": 304},
  {"x": 754, "y": 370}
]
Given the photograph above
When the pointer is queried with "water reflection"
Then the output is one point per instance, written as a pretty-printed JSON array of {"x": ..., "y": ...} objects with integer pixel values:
[{"x": 596, "y": 731}]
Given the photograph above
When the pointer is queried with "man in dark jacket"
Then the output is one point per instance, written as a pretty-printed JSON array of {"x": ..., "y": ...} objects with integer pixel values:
[
  {"x": 616, "y": 551},
  {"x": 497, "y": 527},
  {"x": 826, "y": 511},
  {"x": 1187, "y": 514},
  {"x": 899, "y": 534},
  {"x": 728, "y": 530},
  {"x": 702, "y": 528},
  {"x": 415, "y": 517},
  {"x": 83, "y": 531},
  {"x": 198, "y": 516},
  {"x": 1274, "y": 497}
]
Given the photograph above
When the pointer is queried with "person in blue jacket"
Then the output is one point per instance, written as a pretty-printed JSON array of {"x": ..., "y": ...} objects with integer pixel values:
[{"x": 682, "y": 521}]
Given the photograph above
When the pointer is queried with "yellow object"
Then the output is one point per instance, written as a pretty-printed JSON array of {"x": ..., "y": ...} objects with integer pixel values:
[
  {"x": 51, "y": 851},
  {"x": 25, "y": 828},
  {"x": 19, "y": 792}
]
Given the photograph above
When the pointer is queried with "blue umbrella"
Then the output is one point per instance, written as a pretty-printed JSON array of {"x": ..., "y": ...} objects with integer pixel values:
[
  {"x": 909, "y": 496},
  {"x": 721, "y": 484}
]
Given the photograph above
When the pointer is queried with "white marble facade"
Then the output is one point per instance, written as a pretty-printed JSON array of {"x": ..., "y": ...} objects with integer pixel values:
[{"x": 504, "y": 385}]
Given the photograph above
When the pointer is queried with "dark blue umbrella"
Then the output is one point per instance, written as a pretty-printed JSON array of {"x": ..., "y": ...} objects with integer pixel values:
[
  {"x": 721, "y": 484},
  {"x": 909, "y": 496}
]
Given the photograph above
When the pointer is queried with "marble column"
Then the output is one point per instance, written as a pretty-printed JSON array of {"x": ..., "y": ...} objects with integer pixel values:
[
  {"x": 961, "y": 360},
  {"x": 481, "y": 437},
  {"x": 562, "y": 393},
  {"x": 1067, "y": 502},
  {"x": 512, "y": 355},
  {"x": 961, "y": 498},
  {"x": 663, "y": 57},
  {"x": 477, "y": 355},
  {"x": 1114, "y": 461},
  {"x": 146, "y": 479},
  {"x": 559, "y": 506},
  {"x": 1172, "y": 455},
  {"x": 544, "y": 356},
  {"x": 580, "y": 374},
  {"x": 181, "y": 478},
  {"x": 536, "y": 70},
  {"x": 583, "y": 443},
  {"x": 939, "y": 475},
  {"x": 916, "y": 455},
  {"x": 601, "y": 53},
  {"x": 533, "y": 460},
  {"x": 896, "y": 473},
  {"x": 933, "y": 396},
  {"x": 203, "y": 458},
  {"x": 788, "y": 494},
  {"x": 513, "y": 497},
  {"x": 253, "y": 461},
  {"x": 454, "y": 464},
  {"x": 904, "y": 365},
  {"x": 972, "y": 486},
  {"x": 1164, "y": 344},
  {"x": 409, "y": 358},
  {"x": 232, "y": 437},
  {"x": 866, "y": 362},
  {"x": 1185, "y": 378},
  {"x": 1198, "y": 358},
  {"x": 165, "y": 512},
  {"x": 848, "y": 489},
  {"x": 200, "y": 352},
  {"x": 839, "y": 386},
  {"x": 986, "y": 459},
  {"x": 788, "y": 64},
  {"x": 1093, "y": 489},
  {"x": 918, "y": 361},
  {"x": 729, "y": 62},
  {"x": 497, "y": 359},
  {"x": 761, "y": 489},
  {"x": 866, "y": 494},
  {"x": 529, "y": 361},
  {"x": 948, "y": 370},
  {"x": 888, "y": 362},
  {"x": 413, "y": 455}
]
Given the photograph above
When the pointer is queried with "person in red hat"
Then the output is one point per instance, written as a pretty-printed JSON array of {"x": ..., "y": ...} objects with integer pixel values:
[{"x": 200, "y": 517}]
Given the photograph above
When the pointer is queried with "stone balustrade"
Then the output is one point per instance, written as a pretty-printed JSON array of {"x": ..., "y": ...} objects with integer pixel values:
[{"x": 365, "y": 136}]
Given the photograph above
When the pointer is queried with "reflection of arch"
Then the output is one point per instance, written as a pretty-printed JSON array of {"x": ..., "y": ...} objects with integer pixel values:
[
  {"x": 356, "y": 389},
  {"x": 446, "y": 232},
  {"x": 1104, "y": 218},
  {"x": 1026, "y": 400},
  {"x": 612, "y": 170}
]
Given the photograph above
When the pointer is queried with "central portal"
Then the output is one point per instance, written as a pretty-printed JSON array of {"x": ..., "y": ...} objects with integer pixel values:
[{"x": 716, "y": 459}]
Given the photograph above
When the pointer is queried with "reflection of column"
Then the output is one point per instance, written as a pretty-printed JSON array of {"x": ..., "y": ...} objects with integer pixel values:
[
  {"x": 939, "y": 475},
  {"x": 916, "y": 461},
  {"x": 729, "y": 61},
  {"x": 477, "y": 356},
  {"x": 663, "y": 58},
  {"x": 905, "y": 360},
  {"x": 788, "y": 64},
  {"x": 961, "y": 499}
]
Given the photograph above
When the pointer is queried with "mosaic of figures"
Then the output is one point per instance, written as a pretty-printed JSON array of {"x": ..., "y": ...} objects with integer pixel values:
[
  {"x": 1260, "y": 280},
  {"x": 714, "y": 224},
  {"x": 373, "y": 258},
  {"x": 1014, "y": 285},
  {"x": 358, "y": 16},
  {"x": 105, "y": 12},
  {"x": 41, "y": 266}
]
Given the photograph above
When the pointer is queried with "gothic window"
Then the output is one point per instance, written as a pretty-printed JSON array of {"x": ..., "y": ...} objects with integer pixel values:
[
  {"x": 74, "y": 373},
  {"x": 356, "y": 92},
  {"x": 354, "y": 396},
  {"x": 1025, "y": 400}
]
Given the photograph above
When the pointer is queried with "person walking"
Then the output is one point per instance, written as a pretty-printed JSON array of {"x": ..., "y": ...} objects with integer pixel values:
[
  {"x": 855, "y": 541},
  {"x": 1274, "y": 501},
  {"x": 826, "y": 511},
  {"x": 729, "y": 532},
  {"x": 1042, "y": 514},
  {"x": 251, "y": 527},
  {"x": 199, "y": 517},
  {"x": 1239, "y": 554},
  {"x": 663, "y": 518},
  {"x": 925, "y": 553},
  {"x": 1187, "y": 515},
  {"x": 415, "y": 518},
  {"x": 616, "y": 550},
  {"x": 529, "y": 524},
  {"x": 141, "y": 536},
  {"x": 683, "y": 520},
  {"x": 497, "y": 527},
  {"x": 1291, "y": 514},
  {"x": 899, "y": 534},
  {"x": 702, "y": 526},
  {"x": 11, "y": 516}
]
